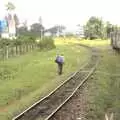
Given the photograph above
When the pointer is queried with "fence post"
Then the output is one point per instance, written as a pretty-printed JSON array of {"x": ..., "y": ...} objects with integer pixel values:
[
  {"x": 3, "y": 52},
  {"x": 20, "y": 49},
  {"x": 23, "y": 49},
  {"x": 26, "y": 47},
  {"x": 16, "y": 48},
  {"x": 12, "y": 51},
  {"x": 7, "y": 52}
]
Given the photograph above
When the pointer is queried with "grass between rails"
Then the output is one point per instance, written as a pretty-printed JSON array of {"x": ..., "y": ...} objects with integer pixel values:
[{"x": 27, "y": 78}]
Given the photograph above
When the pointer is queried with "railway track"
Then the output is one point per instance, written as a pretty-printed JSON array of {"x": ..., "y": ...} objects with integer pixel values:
[{"x": 49, "y": 105}]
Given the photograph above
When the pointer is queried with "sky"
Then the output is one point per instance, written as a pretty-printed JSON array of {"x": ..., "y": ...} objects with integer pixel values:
[{"x": 64, "y": 12}]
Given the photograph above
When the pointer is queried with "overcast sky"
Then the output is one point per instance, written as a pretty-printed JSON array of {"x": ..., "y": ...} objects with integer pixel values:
[{"x": 66, "y": 12}]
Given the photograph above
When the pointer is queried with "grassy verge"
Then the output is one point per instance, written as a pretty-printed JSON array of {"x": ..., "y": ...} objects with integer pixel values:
[
  {"x": 104, "y": 86},
  {"x": 93, "y": 43},
  {"x": 27, "y": 78},
  {"x": 96, "y": 43}
]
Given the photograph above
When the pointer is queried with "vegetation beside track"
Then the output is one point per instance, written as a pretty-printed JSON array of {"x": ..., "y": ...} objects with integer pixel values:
[
  {"x": 104, "y": 89},
  {"x": 27, "y": 78}
]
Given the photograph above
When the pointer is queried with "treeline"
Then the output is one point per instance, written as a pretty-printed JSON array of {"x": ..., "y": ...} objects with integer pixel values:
[
  {"x": 96, "y": 28},
  {"x": 38, "y": 30}
]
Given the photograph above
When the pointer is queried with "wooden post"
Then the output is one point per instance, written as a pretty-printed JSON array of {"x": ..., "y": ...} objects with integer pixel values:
[
  {"x": 23, "y": 49},
  {"x": 11, "y": 53},
  {"x": 7, "y": 52},
  {"x": 1, "y": 54},
  {"x": 20, "y": 49},
  {"x": 27, "y": 47},
  {"x": 16, "y": 50}
]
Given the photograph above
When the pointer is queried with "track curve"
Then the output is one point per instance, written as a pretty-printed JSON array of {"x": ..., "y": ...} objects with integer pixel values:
[{"x": 48, "y": 106}]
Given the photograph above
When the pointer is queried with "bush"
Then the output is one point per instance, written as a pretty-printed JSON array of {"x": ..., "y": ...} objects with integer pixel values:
[
  {"x": 19, "y": 41},
  {"x": 5, "y": 42},
  {"x": 26, "y": 39},
  {"x": 46, "y": 43}
]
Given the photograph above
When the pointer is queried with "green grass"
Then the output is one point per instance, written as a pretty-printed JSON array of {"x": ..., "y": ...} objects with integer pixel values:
[
  {"x": 107, "y": 83},
  {"x": 104, "y": 88},
  {"x": 25, "y": 79},
  {"x": 96, "y": 42},
  {"x": 91, "y": 43}
]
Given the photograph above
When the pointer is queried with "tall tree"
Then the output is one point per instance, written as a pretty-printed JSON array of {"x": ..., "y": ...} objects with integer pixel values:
[
  {"x": 53, "y": 30},
  {"x": 56, "y": 29},
  {"x": 23, "y": 30},
  {"x": 109, "y": 28},
  {"x": 36, "y": 28},
  {"x": 10, "y": 6},
  {"x": 94, "y": 28}
]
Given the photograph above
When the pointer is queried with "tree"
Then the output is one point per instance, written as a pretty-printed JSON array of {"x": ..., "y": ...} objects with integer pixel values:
[
  {"x": 56, "y": 29},
  {"x": 52, "y": 30},
  {"x": 10, "y": 6},
  {"x": 36, "y": 28},
  {"x": 109, "y": 28},
  {"x": 23, "y": 29},
  {"x": 94, "y": 28},
  {"x": 61, "y": 28}
]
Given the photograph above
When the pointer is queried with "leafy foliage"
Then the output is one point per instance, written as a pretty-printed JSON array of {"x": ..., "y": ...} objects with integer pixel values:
[
  {"x": 46, "y": 43},
  {"x": 19, "y": 41},
  {"x": 10, "y": 6},
  {"x": 55, "y": 29},
  {"x": 36, "y": 29},
  {"x": 94, "y": 28}
]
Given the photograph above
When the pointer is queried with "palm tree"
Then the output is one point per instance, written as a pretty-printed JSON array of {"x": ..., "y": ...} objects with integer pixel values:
[{"x": 10, "y": 6}]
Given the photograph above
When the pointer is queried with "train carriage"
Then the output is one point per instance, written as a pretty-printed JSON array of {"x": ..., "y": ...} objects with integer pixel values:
[{"x": 115, "y": 40}]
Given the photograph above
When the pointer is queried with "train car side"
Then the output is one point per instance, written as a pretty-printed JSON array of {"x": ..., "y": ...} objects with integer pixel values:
[{"x": 115, "y": 40}]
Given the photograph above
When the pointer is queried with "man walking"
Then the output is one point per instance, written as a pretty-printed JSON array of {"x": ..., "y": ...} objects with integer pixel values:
[{"x": 60, "y": 61}]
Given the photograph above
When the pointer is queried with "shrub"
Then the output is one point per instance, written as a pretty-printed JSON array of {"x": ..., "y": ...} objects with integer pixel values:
[
  {"x": 19, "y": 41},
  {"x": 46, "y": 43},
  {"x": 5, "y": 42}
]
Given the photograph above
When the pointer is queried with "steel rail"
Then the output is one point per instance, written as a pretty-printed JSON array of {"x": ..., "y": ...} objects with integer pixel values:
[{"x": 51, "y": 93}]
